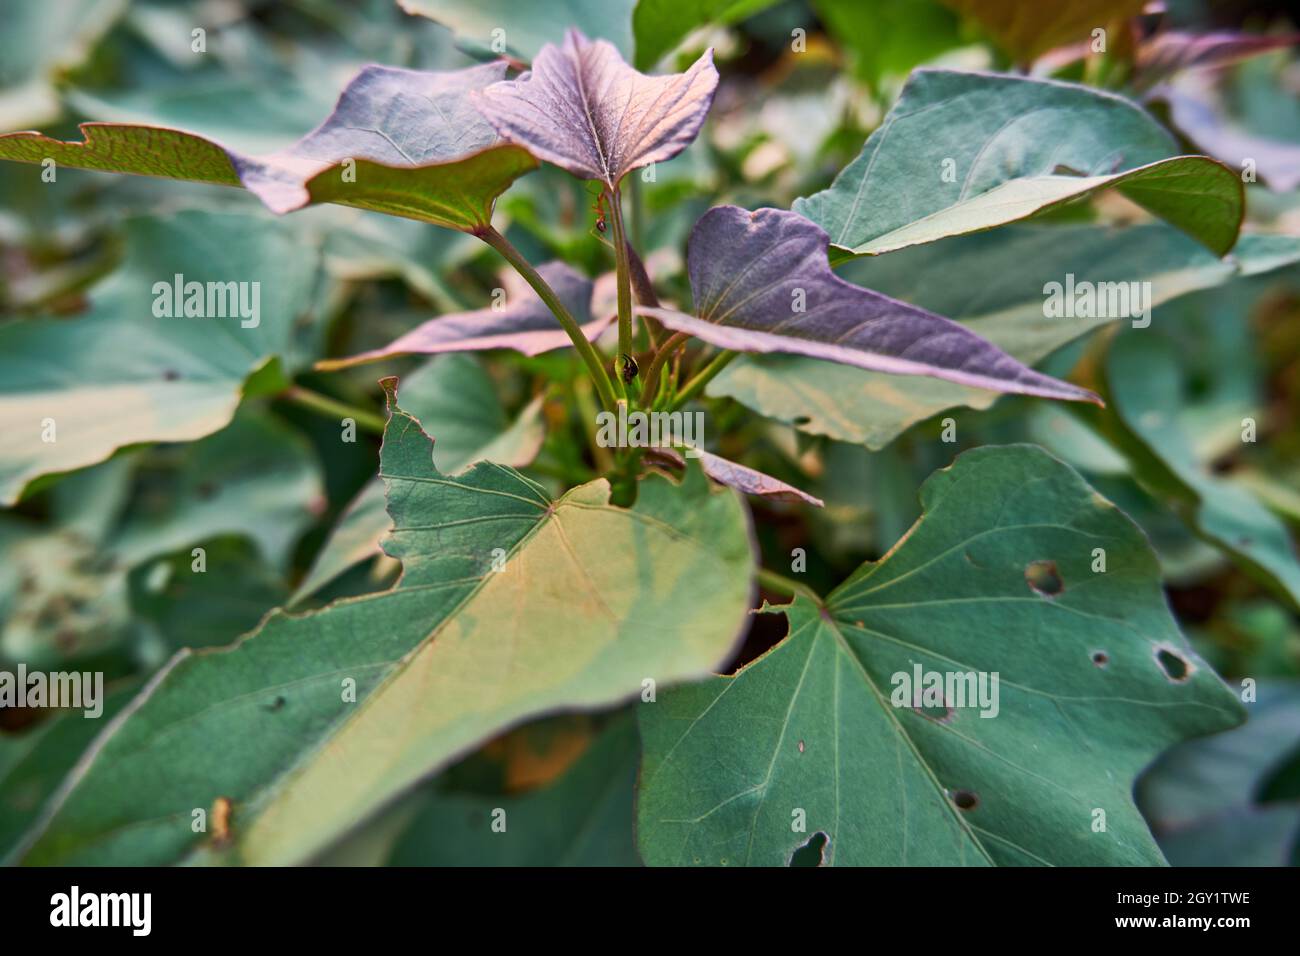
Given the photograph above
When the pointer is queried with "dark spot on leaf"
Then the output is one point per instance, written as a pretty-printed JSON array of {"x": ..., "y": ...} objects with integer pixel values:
[
  {"x": 171, "y": 375},
  {"x": 277, "y": 704},
  {"x": 1100, "y": 658},
  {"x": 965, "y": 799},
  {"x": 811, "y": 853},
  {"x": 940, "y": 715},
  {"x": 1176, "y": 668},
  {"x": 1043, "y": 577},
  {"x": 800, "y": 420}
]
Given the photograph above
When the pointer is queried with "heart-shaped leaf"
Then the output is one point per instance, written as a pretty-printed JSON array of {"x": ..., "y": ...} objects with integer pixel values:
[
  {"x": 762, "y": 284},
  {"x": 1000, "y": 576},
  {"x": 166, "y": 373},
  {"x": 511, "y": 604},
  {"x": 585, "y": 110},
  {"x": 524, "y": 323},
  {"x": 962, "y": 152},
  {"x": 403, "y": 142}
]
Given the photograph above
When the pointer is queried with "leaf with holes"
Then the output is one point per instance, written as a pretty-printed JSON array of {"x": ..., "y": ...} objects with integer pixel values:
[
  {"x": 761, "y": 284},
  {"x": 964, "y": 152},
  {"x": 511, "y": 604},
  {"x": 585, "y": 110},
  {"x": 522, "y": 323},
  {"x": 1058, "y": 683},
  {"x": 402, "y": 142}
]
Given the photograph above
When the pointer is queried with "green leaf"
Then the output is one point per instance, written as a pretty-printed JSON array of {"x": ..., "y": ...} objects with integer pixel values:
[
  {"x": 179, "y": 606},
  {"x": 1149, "y": 393},
  {"x": 889, "y": 37},
  {"x": 402, "y": 142},
  {"x": 1206, "y": 799},
  {"x": 124, "y": 375},
  {"x": 38, "y": 41},
  {"x": 525, "y": 27},
  {"x": 256, "y": 477},
  {"x": 582, "y": 819},
  {"x": 659, "y": 25},
  {"x": 812, "y": 726},
  {"x": 33, "y": 763},
  {"x": 593, "y": 601},
  {"x": 964, "y": 152},
  {"x": 456, "y": 400},
  {"x": 1010, "y": 268}
]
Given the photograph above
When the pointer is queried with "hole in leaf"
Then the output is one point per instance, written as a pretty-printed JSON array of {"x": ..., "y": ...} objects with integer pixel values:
[
  {"x": 1176, "y": 668},
  {"x": 765, "y": 632},
  {"x": 1100, "y": 658},
  {"x": 966, "y": 799},
  {"x": 811, "y": 853},
  {"x": 1043, "y": 577}
]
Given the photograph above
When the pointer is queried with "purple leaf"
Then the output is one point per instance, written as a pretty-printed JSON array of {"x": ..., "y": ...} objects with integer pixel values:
[
  {"x": 402, "y": 142},
  {"x": 525, "y": 324},
  {"x": 744, "y": 479},
  {"x": 1167, "y": 53},
  {"x": 584, "y": 109},
  {"x": 762, "y": 284},
  {"x": 384, "y": 115}
]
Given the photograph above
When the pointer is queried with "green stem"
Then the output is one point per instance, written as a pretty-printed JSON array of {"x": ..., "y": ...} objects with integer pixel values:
[
  {"x": 585, "y": 349},
  {"x": 644, "y": 290},
  {"x": 623, "y": 271},
  {"x": 696, "y": 385},
  {"x": 332, "y": 407},
  {"x": 783, "y": 585},
  {"x": 638, "y": 213},
  {"x": 582, "y": 398},
  {"x": 655, "y": 368}
]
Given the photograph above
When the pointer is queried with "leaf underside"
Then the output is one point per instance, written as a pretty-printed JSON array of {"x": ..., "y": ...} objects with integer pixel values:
[{"x": 992, "y": 150}]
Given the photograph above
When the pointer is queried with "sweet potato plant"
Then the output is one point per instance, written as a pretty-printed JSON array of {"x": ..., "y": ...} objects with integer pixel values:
[{"x": 649, "y": 431}]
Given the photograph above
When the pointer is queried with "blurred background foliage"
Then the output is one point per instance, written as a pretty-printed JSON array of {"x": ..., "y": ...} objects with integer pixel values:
[{"x": 93, "y": 563}]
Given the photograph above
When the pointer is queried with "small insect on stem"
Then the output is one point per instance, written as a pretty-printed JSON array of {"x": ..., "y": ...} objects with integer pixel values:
[
  {"x": 627, "y": 367},
  {"x": 599, "y": 207}
]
